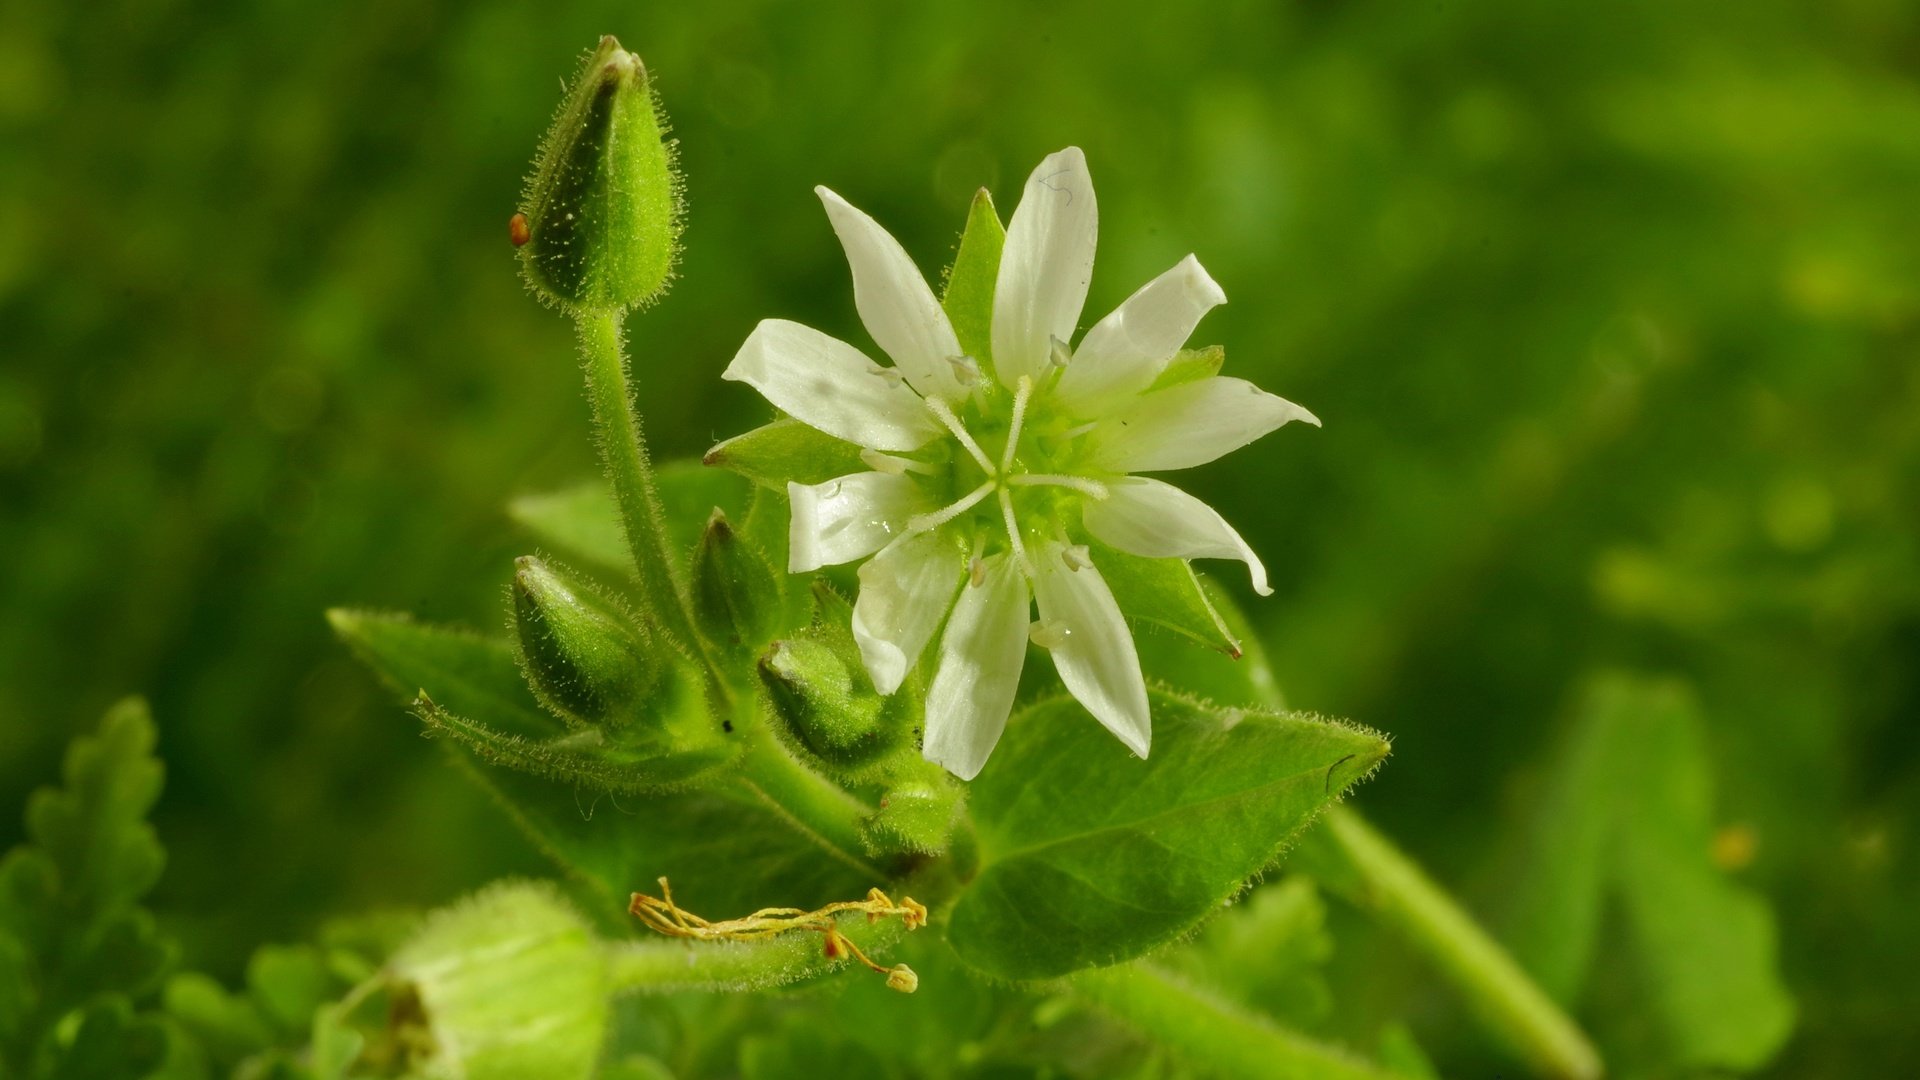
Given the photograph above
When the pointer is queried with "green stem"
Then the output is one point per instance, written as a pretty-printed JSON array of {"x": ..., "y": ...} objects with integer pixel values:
[
  {"x": 624, "y": 449},
  {"x": 662, "y": 966},
  {"x": 1211, "y": 1033},
  {"x": 1380, "y": 878},
  {"x": 810, "y": 802}
]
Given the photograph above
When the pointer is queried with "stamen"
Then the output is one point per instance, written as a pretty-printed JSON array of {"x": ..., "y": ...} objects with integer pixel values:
[
  {"x": 1049, "y": 633},
  {"x": 1081, "y": 484},
  {"x": 966, "y": 369},
  {"x": 1074, "y": 433},
  {"x": 1059, "y": 355},
  {"x": 894, "y": 466},
  {"x": 1076, "y": 557},
  {"x": 1013, "y": 532},
  {"x": 977, "y": 566},
  {"x": 945, "y": 412},
  {"x": 922, "y": 522},
  {"x": 891, "y": 375},
  {"x": 1021, "y": 395}
]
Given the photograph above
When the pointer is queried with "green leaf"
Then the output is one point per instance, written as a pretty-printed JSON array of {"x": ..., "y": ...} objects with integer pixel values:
[
  {"x": 968, "y": 298},
  {"x": 1283, "y": 924},
  {"x": 786, "y": 451},
  {"x": 1630, "y": 814},
  {"x": 465, "y": 673},
  {"x": 726, "y": 850},
  {"x": 1090, "y": 857},
  {"x": 511, "y": 985},
  {"x": 1165, "y": 593},
  {"x": 583, "y": 521},
  {"x": 579, "y": 520},
  {"x": 591, "y": 759},
  {"x": 801, "y": 1047},
  {"x": 75, "y": 949},
  {"x": 1212, "y": 674}
]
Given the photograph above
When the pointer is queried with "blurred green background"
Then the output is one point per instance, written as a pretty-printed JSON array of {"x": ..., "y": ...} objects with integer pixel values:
[{"x": 1611, "y": 312}]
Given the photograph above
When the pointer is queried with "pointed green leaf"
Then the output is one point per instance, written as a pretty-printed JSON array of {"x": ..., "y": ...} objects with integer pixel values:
[
  {"x": 968, "y": 298},
  {"x": 1091, "y": 857},
  {"x": 786, "y": 451},
  {"x": 1165, "y": 593},
  {"x": 468, "y": 674}
]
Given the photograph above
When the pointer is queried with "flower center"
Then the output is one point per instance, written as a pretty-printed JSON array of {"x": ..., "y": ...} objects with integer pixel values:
[{"x": 1011, "y": 473}]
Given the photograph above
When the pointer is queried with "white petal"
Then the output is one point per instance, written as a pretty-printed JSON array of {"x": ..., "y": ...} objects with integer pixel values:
[
  {"x": 900, "y": 311},
  {"x": 904, "y": 592},
  {"x": 1095, "y": 657},
  {"x": 847, "y": 518},
  {"x": 1128, "y": 349},
  {"x": 980, "y": 659},
  {"x": 830, "y": 385},
  {"x": 1045, "y": 266},
  {"x": 1156, "y": 520},
  {"x": 1189, "y": 424}
]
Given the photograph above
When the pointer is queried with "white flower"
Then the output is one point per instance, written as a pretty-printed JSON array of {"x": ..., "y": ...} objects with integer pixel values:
[{"x": 984, "y": 471}]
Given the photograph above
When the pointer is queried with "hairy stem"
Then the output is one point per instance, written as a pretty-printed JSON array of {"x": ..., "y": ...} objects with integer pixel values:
[
  {"x": 1213, "y": 1034},
  {"x": 1380, "y": 878},
  {"x": 811, "y": 803},
  {"x": 623, "y": 448},
  {"x": 660, "y": 965}
]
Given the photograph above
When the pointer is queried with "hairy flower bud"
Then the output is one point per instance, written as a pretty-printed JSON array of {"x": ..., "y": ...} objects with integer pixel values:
[
  {"x": 827, "y": 704},
  {"x": 599, "y": 223},
  {"x": 585, "y": 659},
  {"x": 737, "y": 595},
  {"x": 506, "y": 984}
]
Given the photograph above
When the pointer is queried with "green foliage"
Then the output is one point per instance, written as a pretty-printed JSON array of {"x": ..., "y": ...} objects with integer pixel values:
[
  {"x": 1164, "y": 593},
  {"x": 1089, "y": 858},
  {"x": 579, "y": 520},
  {"x": 1630, "y": 816},
  {"x": 511, "y": 984},
  {"x": 583, "y": 654},
  {"x": 78, "y": 956},
  {"x": 786, "y": 451},
  {"x": 968, "y": 297},
  {"x": 1284, "y": 926}
]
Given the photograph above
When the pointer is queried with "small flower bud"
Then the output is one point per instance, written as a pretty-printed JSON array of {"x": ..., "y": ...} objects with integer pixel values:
[
  {"x": 508, "y": 983},
  {"x": 602, "y": 208},
  {"x": 585, "y": 659},
  {"x": 737, "y": 595},
  {"x": 829, "y": 707}
]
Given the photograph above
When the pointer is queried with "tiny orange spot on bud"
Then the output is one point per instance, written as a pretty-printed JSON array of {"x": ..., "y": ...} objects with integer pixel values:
[{"x": 518, "y": 230}]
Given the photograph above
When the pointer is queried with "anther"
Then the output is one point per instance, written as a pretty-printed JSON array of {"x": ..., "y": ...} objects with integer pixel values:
[
  {"x": 1076, "y": 557},
  {"x": 1058, "y": 354},
  {"x": 891, "y": 375},
  {"x": 1049, "y": 634},
  {"x": 966, "y": 370},
  {"x": 893, "y": 466}
]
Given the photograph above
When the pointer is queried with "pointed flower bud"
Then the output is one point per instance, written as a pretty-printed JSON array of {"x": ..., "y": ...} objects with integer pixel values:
[
  {"x": 737, "y": 595},
  {"x": 508, "y": 983},
  {"x": 599, "y": 223},
  {"x": 585, "y": 659},
  {"x": 827, "y": 704}
]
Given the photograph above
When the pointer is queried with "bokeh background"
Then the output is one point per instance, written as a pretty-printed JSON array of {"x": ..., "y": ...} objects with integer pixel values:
[{"x": 1611, "y": 312}]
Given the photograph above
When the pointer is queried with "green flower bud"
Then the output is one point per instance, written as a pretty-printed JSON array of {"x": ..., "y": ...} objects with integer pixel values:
[
  {"x": 507, "y": 984},
  {"x": 599, "y": 223},
  {"x": 828, "y": 704},
  {"x": 585, "y": 659},
  {"x": 737, "y": 595}
]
